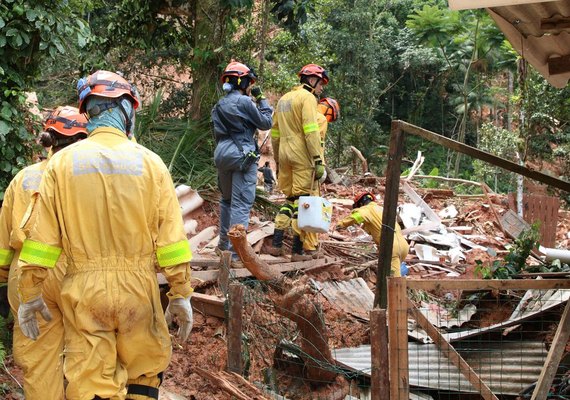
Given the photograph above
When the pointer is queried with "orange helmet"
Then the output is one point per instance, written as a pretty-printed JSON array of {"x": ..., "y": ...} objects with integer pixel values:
[
  {"x": 67, "y": 121},
  {"x": 362, "y": 199},
  {"x": 314, "y": 70},
  {"x": 105, "y": 84},
  {"x": 239, "y": 70},
  {"x": 329, "y": 108}
]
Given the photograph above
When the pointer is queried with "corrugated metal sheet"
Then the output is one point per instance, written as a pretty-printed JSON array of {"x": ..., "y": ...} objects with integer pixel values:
[
  {"x": 507, "y": 367},
  {"x": 533, "y": 303},
  {"x": 538, "y": 31},
  {"x": 352, "y": 296}
]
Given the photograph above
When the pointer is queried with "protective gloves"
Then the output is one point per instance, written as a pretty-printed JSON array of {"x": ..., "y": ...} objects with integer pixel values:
[
  {"x": 323, "y": 178},
  {"x": 27, "y": 316},
  {"x": 182, "y": 310},
  {"x": 257, "y": 93},
  {"x": 319, "y": 169}
]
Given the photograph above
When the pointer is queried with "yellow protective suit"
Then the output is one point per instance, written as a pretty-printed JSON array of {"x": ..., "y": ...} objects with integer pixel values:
[
  {"x": 109, "y": 205},
  {"x": 370, "y": 216},
  {"x": 296, "y": 142},
  {"x": 41, "y": 360}
]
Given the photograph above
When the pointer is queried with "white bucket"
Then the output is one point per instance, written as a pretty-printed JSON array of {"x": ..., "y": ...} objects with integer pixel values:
[{"x": 314, "y": 214}]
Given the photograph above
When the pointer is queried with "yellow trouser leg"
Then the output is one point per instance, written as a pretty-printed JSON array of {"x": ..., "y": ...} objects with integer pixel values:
[{"x": 42, "y": 359}]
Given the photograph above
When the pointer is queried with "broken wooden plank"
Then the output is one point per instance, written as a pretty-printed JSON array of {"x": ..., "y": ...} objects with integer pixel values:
[
  {"x": 212, "y": 275},
  {"x": 380, "y": 383},
  {"x": 554, "y": 356},
  {"x": 489, "y": 284},
  {"x": 235, "y": 299},
  {"x": 208, "y": 305},
  {"x": 482, "y": 155}
]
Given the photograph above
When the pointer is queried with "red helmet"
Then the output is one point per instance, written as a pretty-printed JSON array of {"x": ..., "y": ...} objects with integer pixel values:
[
  {"x": 67, "y": 121},
  {"x": 240, "y": 70},
  {"x": 329, "y": 108},
  {"x": 106, "y": 84},
  {"x": 314, "y": 70},
  {"x": 362, "y": 199}
]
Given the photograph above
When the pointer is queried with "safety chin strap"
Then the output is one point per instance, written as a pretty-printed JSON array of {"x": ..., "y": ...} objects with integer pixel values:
[{"x": 311, "y": 89}]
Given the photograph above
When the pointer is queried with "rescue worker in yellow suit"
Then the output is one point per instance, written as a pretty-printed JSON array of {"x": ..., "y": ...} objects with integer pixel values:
[
  {"x": 329, "y": 111},
  {"x": 297, "y": 146},
  {"x": 109, "y": 205},
  {"x": 368, "y": 213},
  {"x": 41, "y": 360}
]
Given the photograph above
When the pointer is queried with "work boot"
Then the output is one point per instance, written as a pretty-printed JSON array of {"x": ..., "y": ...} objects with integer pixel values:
[
  {"x": 297, "y": 250},
  {"x": 276, "y": 248},
  {"x": 313, "y": 253}
]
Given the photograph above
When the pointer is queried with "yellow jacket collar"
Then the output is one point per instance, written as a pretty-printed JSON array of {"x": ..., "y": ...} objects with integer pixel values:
[{"x": 108, "y": 129}]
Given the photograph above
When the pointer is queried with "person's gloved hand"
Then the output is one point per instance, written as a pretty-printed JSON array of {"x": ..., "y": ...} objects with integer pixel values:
[
  {"x": 257, "y": 93},
  {"x": 182, "y": 310},
  {"x": 27, "y": 316},
  {"x": 323, "y": 178},
  {"x": 319, "y": 169}
]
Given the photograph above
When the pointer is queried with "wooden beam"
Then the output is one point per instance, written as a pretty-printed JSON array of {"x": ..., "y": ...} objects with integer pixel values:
[
  {"x": 234, "y": 324},
  {"x": 380, "y": 382},
  {"x": 389, "y": 214},
  {"x": 212, "y": 275},
  {"x": 398, "y": 339},
  {"x": 554, "y": 356},
  {"x": 454, "y": 357},
  {"x": 208, "y": 305},
  {"x": 470, "y": 4},
  {"x": 488, "y": 284},
  {"x": 559, "y": 65},
  {"x": 225, "y": 272},
  {"x": 555, "y": 23},
  {"x": 481, "y": 155}
]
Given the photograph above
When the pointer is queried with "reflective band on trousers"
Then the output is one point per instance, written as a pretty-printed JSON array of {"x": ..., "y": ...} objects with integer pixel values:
[
  {"x": 174, "y": 254},
  {"x": 314, "y": 127},
  {"x": 40, "y": 253},
  {"x": 6, "y": 256}
]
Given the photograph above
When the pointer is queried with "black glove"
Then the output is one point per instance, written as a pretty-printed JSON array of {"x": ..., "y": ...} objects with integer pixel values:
[
  {"x": 4, "y": 305},
  {"x": 319, "y": 169},
  {"x": 257, "y": 93}
]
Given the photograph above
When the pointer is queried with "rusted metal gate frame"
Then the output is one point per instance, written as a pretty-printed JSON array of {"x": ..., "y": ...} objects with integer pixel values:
[{"x": 398, "y": 306}]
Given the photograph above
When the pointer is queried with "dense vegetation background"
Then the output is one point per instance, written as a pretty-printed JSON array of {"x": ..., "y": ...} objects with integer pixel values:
[{"x": 446, "y": 71}]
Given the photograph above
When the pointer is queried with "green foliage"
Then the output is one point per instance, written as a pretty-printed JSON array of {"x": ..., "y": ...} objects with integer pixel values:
[
  {"x": 185, "y": 145},
  {"x": 515, "y": 261},
  {"x": 501, "y": 143},
  {"x": 30, "y": 31},
  {"x": 292, "y": 13}
]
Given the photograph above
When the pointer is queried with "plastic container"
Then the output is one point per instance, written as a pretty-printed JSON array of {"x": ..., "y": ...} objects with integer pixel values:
[{"x": 315, "y": 214}]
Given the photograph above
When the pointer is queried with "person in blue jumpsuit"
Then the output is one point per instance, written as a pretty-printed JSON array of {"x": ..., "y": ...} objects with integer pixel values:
[{"x": 236, "y": 117}]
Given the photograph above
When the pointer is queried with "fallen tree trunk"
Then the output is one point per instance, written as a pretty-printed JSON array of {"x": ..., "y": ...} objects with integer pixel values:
[{"x": 293, "y": 304}]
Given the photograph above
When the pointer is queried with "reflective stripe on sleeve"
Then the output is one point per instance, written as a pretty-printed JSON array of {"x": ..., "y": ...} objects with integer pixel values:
[
  {"x": 40, "y": 254},
  {"x": 6, "y": 256},
  {"x": 309, "y": 128},
  {"x": 275, "y": 133},
  {"x": 174, "y": 254},
  {"x": 357, "y": 217}
]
